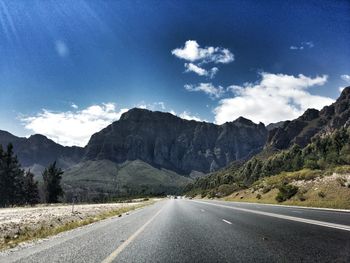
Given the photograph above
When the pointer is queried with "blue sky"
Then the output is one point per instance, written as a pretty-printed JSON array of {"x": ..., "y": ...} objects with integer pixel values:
[{"x": 69, "y": 68}]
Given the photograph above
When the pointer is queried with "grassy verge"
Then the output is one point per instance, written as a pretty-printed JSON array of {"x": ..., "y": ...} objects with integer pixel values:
[
  {"x": 28, "y": 234},
  {"x": 315, "y": 188}
]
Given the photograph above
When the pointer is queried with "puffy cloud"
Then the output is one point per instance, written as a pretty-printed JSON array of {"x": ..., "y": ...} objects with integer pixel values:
[
  {"x": 345, "y": 78},
  {"x": 275, "y": 98},
  {"x": 73, "y": 127},
  {"x": 303, "y": 45},
  {"x": 207, "y": 88},
  {"x": 193, "y": 52},
  {"x": 61, "y": 48},
  {"x": 190, "y": 67}
]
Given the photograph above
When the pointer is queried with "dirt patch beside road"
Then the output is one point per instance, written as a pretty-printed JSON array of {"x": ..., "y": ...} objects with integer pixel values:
[{"x": 27, "y": 223}]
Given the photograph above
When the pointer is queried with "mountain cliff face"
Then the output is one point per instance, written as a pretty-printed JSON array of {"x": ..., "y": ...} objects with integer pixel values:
[
  {"x": 302, "y": 129},
  {"x": 39, "y": 150},
  {"x": 164, "y": 140}
]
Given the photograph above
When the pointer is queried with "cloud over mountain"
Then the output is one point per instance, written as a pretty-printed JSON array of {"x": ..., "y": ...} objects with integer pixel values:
[
  {"x": 275, "y": 98},
  {"x": 73, "y": 127}
]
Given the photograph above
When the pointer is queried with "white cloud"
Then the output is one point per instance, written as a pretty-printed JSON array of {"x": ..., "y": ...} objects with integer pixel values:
[
  {"x": 341, "y": 89},
  {"x": 346, "y": 78},
  {"x": 194, "y": 68},
  {"x": 188, "y": 116},
  {"x": 190, "y": 67},
  {"x": 61, "y": 48},
  {"x": 74, "y": 106},
  {"x": 152, "y": 106},
  {"x": 303, "y": 45},
  {"x": 193, "y": 52},
  {"x": 207, "y": 88},
  {"x": 275, "y": 98},
  {"x": 73, "y": 127}
]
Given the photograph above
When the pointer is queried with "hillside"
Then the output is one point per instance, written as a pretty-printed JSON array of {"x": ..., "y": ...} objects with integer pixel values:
[
  {"x": 37, "y": 151},
  {"x": 301, "y": 130},
  {"x": 328, "y": 148},
  {"x": 167, "y": 141},
  {"x": 104, "y": 179}
]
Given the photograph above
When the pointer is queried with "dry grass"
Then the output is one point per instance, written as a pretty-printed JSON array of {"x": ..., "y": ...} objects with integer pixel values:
[
  {"x": 44, "y": 231},
  {"x": 327, "y": 189}
]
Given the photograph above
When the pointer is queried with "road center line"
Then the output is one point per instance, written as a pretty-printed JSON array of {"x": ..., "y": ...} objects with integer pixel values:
[
  {"x": 291, "y": 218},
  {"x": 228, "y": 222},
  {"x": 116, "y": 252}
]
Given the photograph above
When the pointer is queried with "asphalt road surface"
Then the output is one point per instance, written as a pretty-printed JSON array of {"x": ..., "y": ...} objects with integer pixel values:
[{"x": 201, "y": 231}]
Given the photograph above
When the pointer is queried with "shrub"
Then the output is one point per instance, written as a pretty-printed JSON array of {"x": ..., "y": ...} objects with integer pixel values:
[
  {"x": 341, "y": 181},
  {"x": 286, "y": 192},
  {"x": 258, "y": 196},
  {"x": 226, "y": 189},
  {"x": 321, "y": 194},
  {"x": 266, "y": 189}
]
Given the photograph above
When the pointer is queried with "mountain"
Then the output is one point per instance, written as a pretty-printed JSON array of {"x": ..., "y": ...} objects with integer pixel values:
[
  {"x": 38, "y": 151},
  {"x": 272, "y": 126},
  {"x": 167, "y": 141},
  {"x": 316, "y": 142},
  {"x": 144, "y": 152},
  {"x": 95, "y": 180},
  {"x": 301, "y": 130}
]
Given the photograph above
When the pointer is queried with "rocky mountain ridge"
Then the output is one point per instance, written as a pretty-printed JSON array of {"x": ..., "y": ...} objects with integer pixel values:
[
  {"x": 167, "y": 141},
  {"x": 312, "y": 122}
]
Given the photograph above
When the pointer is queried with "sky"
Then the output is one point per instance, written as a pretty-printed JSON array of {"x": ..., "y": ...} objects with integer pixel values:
[{"x": 70, "y": 68}]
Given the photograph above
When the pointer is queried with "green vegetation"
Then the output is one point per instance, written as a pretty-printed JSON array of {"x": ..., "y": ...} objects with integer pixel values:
[
  {"x": 17, "y": 187},
  {"x": 106, "y": 181},
  {"x": 52, "y": 183},
  {"x": 316, "y": 188},
  {"x": 286, "y": 191},
  {"x": 327, "y": 153}
]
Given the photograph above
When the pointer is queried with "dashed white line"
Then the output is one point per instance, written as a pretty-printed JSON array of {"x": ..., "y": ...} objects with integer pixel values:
[
  {"x": 228, "y": 222},
  {"x": 291, "y": 218}
]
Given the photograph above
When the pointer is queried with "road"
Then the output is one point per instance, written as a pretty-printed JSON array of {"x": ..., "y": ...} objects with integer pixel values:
[{"x": 201, "y": 231}]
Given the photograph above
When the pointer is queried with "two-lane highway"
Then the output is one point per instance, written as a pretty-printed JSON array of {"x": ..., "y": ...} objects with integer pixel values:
[{"x": 202, "y": 231}]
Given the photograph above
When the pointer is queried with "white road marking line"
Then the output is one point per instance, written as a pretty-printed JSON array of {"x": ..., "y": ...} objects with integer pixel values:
[
  {"x": 291, "y": 218},
  {"x": 116, "y": 252},
  {"x": 228, "y": 222},
  {"x": 202, "y": 210}
]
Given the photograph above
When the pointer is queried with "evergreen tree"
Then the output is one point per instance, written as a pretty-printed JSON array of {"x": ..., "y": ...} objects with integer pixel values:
[
  {"x": 30, "y": 189},
  {"x": 11, "y": 177},
  {"x": 52, "y": 183}
]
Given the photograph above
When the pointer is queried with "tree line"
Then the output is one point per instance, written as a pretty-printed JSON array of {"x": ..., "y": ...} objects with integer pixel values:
[
  {"x": 326, "y": 150},
  {"x": 18, "y": 186}
]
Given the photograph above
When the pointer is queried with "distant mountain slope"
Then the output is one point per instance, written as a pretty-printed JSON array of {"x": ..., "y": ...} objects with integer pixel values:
[
  {"x": 164, "y": 140},
  {"x": 317, "y": 140},
  {"x": 92, "y": 180},
  {"x": 302, "y": 129},
  {"x": 39, "y": 151}
]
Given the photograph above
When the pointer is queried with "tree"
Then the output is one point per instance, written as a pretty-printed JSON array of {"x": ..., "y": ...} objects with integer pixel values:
[
  {"x": 52, "y": 183},
  {"x": 11, "y": 178},
  {"x": 30, "y": 189}
]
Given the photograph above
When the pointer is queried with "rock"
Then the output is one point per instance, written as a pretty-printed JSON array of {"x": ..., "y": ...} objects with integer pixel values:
[
  {"x": 167, "y": 141},
  {"x": 312, "y": 122}
]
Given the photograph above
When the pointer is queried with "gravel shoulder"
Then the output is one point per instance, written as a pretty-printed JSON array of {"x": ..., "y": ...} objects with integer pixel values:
[{"x": 29, "y": 223}]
